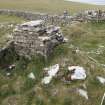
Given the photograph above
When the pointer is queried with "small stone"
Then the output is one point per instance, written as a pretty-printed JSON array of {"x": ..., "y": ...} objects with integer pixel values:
[
  {"x": 8, "y": 74},
  {"x": 83, "y": 93},
  {"x": 31, "y": 75},
  {"x": 101, "y": 79}
]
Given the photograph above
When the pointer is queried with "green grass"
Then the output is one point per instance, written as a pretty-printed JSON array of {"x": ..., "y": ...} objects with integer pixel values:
[
  {"x": 5, "y": 29},
  {"x": 20, "y": 90},
  {"x": 57, "y": 6},
  {"x": 10, "y": 19},
  {"x": 33, "y": 93}
]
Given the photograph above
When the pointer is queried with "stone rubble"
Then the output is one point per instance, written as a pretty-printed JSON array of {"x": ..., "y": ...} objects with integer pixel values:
[
  {"x": 50, "y": 73},
  {"x": 83, "y": 93},
  {"x": 74, "y": 73},
  {"x": 35, "y": 37},
  {"x": 78, "y": 73},
  {"x": 101, "y": 79},
  {"x": 31, "y": 76}
]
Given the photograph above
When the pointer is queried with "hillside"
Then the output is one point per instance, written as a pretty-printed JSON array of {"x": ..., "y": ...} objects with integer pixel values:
[{"x": 55, "y": 6}]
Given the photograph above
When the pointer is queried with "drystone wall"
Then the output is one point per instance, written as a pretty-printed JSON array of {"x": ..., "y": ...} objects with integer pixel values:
[
  {"x": 33, "y": 38},
  {"x": 52, "y": 19},
  {"x": 7, "y": 54},
  {"x": 63, "y": 19},
  {"x": 87, "y": 15}
]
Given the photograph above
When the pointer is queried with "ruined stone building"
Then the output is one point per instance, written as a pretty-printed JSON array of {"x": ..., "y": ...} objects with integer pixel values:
[{"x": 35, "y": 37}]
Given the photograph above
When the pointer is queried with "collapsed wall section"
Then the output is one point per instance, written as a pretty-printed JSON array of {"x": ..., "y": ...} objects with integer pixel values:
[{"x": 35, "y": 37}]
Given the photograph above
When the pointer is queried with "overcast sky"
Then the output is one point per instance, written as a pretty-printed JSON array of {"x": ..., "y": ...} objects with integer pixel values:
[{"x": 99, "y": 2}]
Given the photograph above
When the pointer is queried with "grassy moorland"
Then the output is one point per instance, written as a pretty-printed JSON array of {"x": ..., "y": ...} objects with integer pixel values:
[
  {"x": 10, "y": 19},
  {"x": 55, "y": 6},
  {"x": 6, "y": 28},
  {"x": 18, "y": 89}
]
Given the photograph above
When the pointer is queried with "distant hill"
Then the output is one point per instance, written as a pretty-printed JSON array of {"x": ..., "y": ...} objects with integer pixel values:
[
  {"x": 95, "y": 2},
  {"x": 46, "y": 5}
]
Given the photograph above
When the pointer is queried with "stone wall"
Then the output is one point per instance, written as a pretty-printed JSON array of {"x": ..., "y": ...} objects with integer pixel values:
[
  {"x": 7, "y": 55},
  {"x": 57, "y": 19},
  {"x": 49, "y": 19},
  {"x": 30, "y": 39},
  {"x": 52, "y": 19}
]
